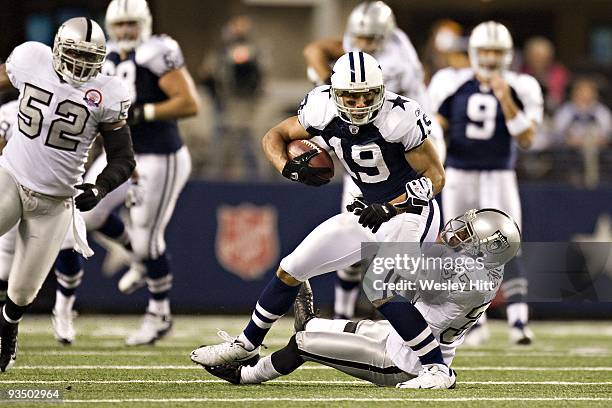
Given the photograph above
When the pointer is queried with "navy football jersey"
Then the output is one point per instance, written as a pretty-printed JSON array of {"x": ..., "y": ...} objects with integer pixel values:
[
  {"x": 477, "y": 133},
  {"x": 141, "y": 70},
  {"x": 373, "y": 154}
]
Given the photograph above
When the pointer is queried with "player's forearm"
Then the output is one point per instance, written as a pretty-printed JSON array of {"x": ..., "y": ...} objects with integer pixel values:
[
  {"x": 519, "y": 126},
  {"x": 317, "y": 57},
  {"x": 436, "y": 175},
  {"x": 174, "y": 108},
  {"x": 275, "y": 148}
]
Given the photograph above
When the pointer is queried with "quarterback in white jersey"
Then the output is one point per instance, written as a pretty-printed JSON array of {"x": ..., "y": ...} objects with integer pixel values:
[
  {"x": 487, "y": 113},
  {"x": 468, "y": 267},
  {"x": 63, "y": 104}
]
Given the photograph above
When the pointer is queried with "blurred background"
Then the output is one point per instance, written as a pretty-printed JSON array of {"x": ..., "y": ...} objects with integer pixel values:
[{"x": 237, "y": 217}]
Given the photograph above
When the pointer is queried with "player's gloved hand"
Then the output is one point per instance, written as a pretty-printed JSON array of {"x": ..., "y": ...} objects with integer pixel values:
[
  {"x": 357, "y": 205},
  {"x": 374, "y": 215},
  {"x": 297, "y": 169},
  {"x": 136, "y": 114},
  {"x": 90, "y": 197},
  {"x": 419, "y": 191}
]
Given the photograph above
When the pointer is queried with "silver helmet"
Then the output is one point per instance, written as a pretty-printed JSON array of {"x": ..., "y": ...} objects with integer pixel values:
[
  {"x": 120, "y": 11},
  {"x": 372, "y": 19},
  {"x": 79, "y": 50},
  {"x": 488, "y": 233}
]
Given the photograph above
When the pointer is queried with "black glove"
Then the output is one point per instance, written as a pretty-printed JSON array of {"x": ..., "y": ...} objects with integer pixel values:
[
  {"x": 297, "y": 169},
  {"x": 375, "y": 214},
  {"x": 136, "y": 114},
  {"x": 90, "y": 196},
  {"x": 357, "y": 205}
]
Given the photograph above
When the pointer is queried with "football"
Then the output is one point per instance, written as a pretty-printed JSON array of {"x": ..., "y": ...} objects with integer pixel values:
[{"x": 322, "y": 159}]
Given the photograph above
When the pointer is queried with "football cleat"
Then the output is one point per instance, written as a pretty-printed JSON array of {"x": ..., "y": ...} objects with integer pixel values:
[
  {"x": 228, "y": 372},
  {"x": 520, "y": 334},
  {"x": 133, "y": 279},
  {"x": 432, "y": 377},
  {"x": 477, "y": 335},
  {"x": 153, "y": 328},
  {"x": 8, "y": 343},
  {"x": 303, "y": 307},
  {"x": 63, "y": 327},
  {"x": 230, "y": 351}
]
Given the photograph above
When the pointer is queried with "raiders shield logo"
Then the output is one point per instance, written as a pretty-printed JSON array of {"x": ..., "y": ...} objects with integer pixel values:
[{"x": 247, "y": 239}]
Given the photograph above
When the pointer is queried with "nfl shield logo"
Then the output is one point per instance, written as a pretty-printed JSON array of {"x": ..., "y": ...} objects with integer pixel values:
[{"x": 247, "y": 239}]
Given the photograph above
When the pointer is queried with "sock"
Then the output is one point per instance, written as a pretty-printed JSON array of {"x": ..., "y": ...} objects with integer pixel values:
[
  {"x": 13, "y": 313},
  {"x": 517, "y": 313},
  {"x": 114, "y": 228},
  {"x": 68, "y": 271},
  {"x": 345, "y": 298},
  {"x": 63, "y": 303},
  {"x": 159, "y": 278},
  {"x": 326, "y": 325},
  {"x": 260, "y": 372},
  {"x": 3, "y": 290},
  {"x": 275, "y": 301},
  {"x": 413, "y": 329},
  {"x": 159, "y": 307}
]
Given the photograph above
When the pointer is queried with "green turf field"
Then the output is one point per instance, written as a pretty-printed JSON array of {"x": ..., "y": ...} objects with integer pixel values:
[{"x": 569, "y": 364}]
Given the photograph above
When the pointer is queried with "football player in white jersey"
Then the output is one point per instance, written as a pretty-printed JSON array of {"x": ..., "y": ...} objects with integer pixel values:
[
  {"x": 64, "y": 102},
  {"x": 370, "y": 28},
  {"x": 382, "y": 140},
  {"x": 373, "y": 350},
  {"x": 487, "y": 111}
]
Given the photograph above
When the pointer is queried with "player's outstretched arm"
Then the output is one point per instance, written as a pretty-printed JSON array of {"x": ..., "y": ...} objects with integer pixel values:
[
  {"x": 318, "y": 54},
  {"x": 275, "y": 141},
  {"x": 426, "y": 162}
]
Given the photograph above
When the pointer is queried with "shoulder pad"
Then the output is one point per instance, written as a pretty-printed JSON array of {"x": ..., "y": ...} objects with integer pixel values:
[
  {"x": 160, "y": 54},
  {"x": 398, "y": 119},
  {"x": 445, "y": 82},
  {"x": 19, "y": 63},
  {"x": 317, "y": 108}
]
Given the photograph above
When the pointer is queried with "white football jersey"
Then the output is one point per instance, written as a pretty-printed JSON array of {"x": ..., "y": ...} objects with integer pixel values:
[
  {"x": 451, "y": 309},
  {"x": 57, "y": 122},
  {"x": 8, "y": 116},
  {"x": 402, "y": 70}
]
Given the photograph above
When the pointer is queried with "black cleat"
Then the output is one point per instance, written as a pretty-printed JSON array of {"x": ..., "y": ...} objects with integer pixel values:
[
  {"x": 303, "y": 307},
  {"x": 8, "y": 344},
  {"x": 229, "y": 372}
]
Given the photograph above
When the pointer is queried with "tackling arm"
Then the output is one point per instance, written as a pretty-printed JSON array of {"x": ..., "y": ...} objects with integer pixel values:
[
  {"x": 318, "y": 55},
  {"x": 426, "y": 162}
]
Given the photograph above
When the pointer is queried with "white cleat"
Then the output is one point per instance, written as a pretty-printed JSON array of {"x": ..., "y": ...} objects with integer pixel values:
[
  {"x": 63, "y": 327},
  {"x": 133, "y": 279},
  {"x": 521, "y": 335},
  {"x": 432, "y": 377},
  {"x": 153, "y": 328},
  {"x": 231, "y": 350},
  {"x": 478, "y": 335}
]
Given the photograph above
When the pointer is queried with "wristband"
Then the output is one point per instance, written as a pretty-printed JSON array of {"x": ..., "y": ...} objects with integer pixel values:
[
  {"x": 149, "y": 112},
  {"x": 518, "y": 124}
]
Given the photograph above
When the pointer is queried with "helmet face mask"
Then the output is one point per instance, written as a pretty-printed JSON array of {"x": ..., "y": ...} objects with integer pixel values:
[
  {"x": 79, "y": 50},
  {"x": 128, "y": 24},
  {"x": 490, "y": 49},
  {"x": 357, "y": 88},
  {"x": 369, "y": 25}
]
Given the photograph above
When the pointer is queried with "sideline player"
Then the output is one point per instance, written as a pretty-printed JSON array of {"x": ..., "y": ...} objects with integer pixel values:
[
  {"x": 373, "y": 350},
  {"x": 486, "y": 112},
  {"x": 370, "y": 28},
  {"x": 381, "y": 139},
  {"x": 63, "y": 103}
]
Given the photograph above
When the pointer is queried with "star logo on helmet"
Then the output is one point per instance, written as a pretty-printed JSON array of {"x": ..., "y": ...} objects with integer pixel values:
[{"x": 399, "y": 101}]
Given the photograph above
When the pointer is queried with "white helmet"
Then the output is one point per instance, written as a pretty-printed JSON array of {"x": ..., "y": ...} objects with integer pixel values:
[
  {"x": 129, "y": 10},
  {"x": 79, "y": 50},
  {"x": 490, "y": 35},
  {"x": 488, "y": 233},
  {"x": 357, "y": 73},
  {"x": 371, "y": 19}
]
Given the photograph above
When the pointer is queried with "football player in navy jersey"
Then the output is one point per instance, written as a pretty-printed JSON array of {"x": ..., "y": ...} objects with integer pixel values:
[
  {"x": 381, "y": 138},
  {"x": 487, "y": 111}
]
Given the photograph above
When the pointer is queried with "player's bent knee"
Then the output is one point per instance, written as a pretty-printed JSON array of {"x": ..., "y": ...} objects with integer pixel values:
[{"x": 286, "y": 278}]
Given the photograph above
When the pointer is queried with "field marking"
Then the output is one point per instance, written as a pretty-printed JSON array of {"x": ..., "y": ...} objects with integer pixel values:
[
  {"x": 315, "y": 382},
  {"x": 332, "y": 399},
  {"x": 196, "y": 367}
]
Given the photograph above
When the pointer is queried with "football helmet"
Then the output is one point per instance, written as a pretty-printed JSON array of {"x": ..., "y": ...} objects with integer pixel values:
[
  {"x": 490, "y": 35},
  {"x": 119, "y": 11},
  {"x": 357, "y": 74},
  {"x": 372, "y": 19},
  {"x": 488, "y": 233},
  {"x": 79, "y": 50}
]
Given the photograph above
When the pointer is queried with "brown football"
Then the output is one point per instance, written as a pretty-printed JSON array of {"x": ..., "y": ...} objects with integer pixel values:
[{"x": 323, "y": 159}]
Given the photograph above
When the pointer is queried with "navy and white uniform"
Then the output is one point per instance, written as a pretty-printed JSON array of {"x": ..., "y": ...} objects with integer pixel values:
[
  {"x": 481, "y": 152},
  {"x": 373, "y": 155},
  {"x": 162, "y": 160}
]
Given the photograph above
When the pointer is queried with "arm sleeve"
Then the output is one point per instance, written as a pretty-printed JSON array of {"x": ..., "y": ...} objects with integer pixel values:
[
  {"x": 116, "y": 109},
  {"x": 410, "y": 127},
  {"x": 529, "y": 92},
  {"x": 20, "y": 63},
  {"x": 167, "y": 56},
  {"x": 119, "y": 158},
  {"x": 312, "y": 112}
]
